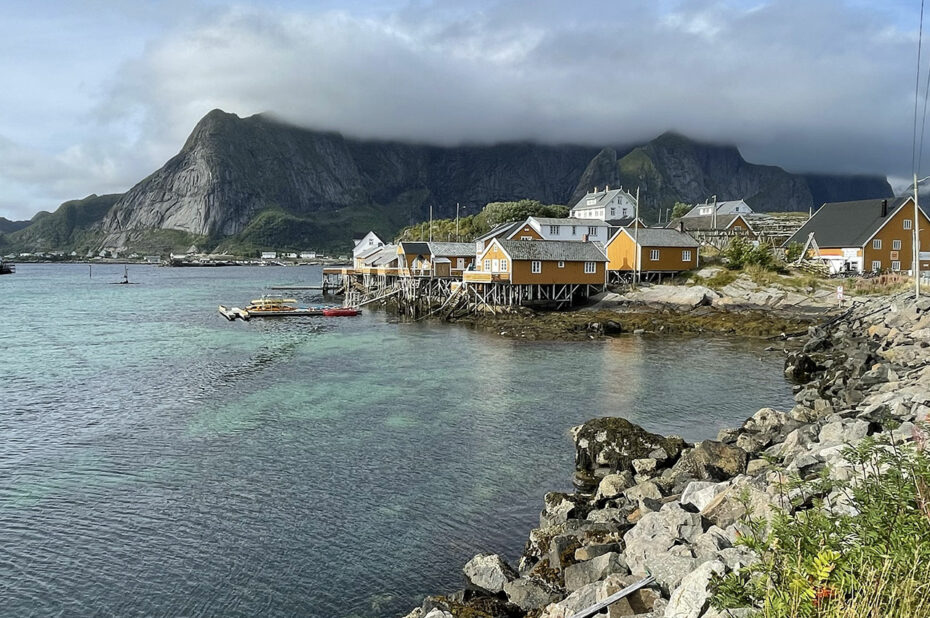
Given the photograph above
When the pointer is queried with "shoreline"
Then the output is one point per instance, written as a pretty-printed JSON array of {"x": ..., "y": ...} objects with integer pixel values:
[{"x": 646, "y": 503}]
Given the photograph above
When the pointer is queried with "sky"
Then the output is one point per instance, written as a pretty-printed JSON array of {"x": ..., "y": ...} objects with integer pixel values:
[{"x": 97, "y": 94}]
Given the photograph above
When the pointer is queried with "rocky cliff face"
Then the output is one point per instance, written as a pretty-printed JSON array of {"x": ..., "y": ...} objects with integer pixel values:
[
  {"x": 231, "y": 170},
  {"x": 673, "y": 168}
]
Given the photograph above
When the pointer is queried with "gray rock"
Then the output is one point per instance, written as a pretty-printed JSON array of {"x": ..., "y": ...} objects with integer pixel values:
[
  {"x": 756, "y": 466},
  {"x": 489, "y": 572},
  {"x": 596, "y": 569},
  {"x": 691, "y": 597},
  {"x": 606, "y": 515},
  {"x": 438, "y": 613},
  {"x": 613, "y": 485},
  {"x": 582, "y": 598},
  {"x": 530, "y": 593},
  {"x": 647, "y": 489},
  {"x": 593, "y": 551},
  {"x": 714, "y": 461},
  {"x": 699, "y": 493},
  {"x": 707, "y": 546},
  {"x": 645, "y": 466}
]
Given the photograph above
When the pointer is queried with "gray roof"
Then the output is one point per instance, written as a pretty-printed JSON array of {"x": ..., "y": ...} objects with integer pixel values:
[
  {"x": 387, "y": 255},
  {"x": 704, "y": 222},
  {"x": 623, "y": 222},
  {"x": 453, "y": 249},
  {"x": 565, "y": 250},
  {"x": 502, "y": 230},
  {"x": 847, "y": 224},
  {"x": 569, "y": 221},
  {"x": 415, "y": 248},
  {"x": 602, "y": 197},
  {"x": 723, "y": 208},
  {"x": 661, "y": 237}
]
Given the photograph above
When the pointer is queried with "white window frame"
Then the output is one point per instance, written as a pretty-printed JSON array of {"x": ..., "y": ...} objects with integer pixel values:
[
  {"x": 526, "y": 238},
  {"x": 561, "y": 263},
  {"x": 895, "y": 245},
  {"x": 592, "y": 230},
  {"x": 503, "y": 265},
  {"x": 590, "y": 268},
  {"x": 877, "y": 243},
  {"x": 876, "y": 266},
  {"x": 686, "y": 255},
  {"x": 895, "y": 265},
  {"x": 487, "y": 265},
  {"x": 653, "y": 255},
  {"x": 907, "y": 224},
  {"x": 553, "y": 229},
  {"x": 536, "y": 267}
]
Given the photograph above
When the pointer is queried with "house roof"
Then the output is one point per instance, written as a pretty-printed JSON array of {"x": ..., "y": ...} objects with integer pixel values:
[
  {"x": 503, "y": 229},
  {"x": 704, "y": 222},
  {"x": 723, "y": 208},
  {"x": 415, "y": 248},
  {"x": 371, "y": 251},
  {"x": 387, "y": 255},
  {"x": 628, "y": 221},
  {"x": 847, "y": 224},
  {"x": 661, "y": 237},
  {"x": 569, "y": 221},
  {"x": 564, "y": 250},
  {"x": 453, "y": 249},
  {"x": 601, "y": 197}
]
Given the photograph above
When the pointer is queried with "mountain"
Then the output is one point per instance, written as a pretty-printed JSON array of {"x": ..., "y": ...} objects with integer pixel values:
[
  {"x": 73, "y": 226},
  {"x": 258, "y": 182},
  {"x": 7, "y": 226},
  {"x": 240, "y": 184},
  {"x": 673, "y": 168}
]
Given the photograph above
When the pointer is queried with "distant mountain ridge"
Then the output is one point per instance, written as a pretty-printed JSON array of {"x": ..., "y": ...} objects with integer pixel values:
[{"x": 244, "y": 183}]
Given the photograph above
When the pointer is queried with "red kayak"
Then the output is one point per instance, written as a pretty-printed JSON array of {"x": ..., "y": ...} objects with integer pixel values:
[{"x": 338, "y": 312}]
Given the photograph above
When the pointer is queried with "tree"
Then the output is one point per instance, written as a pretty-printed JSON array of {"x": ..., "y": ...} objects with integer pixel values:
[{"x": 680, "y": 209}]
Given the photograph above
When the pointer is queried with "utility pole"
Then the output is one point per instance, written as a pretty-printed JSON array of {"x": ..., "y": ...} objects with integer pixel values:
[
  {"x": 916, "y": 242},
  {"x": 457, "y": 239},
  {"x": 636, "y": 246},
  {"x": 431, "y": 223}
]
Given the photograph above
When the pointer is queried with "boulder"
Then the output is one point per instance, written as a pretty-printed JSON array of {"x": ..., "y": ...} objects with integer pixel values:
[
  {"x": 530, "y": 593},
  {"x": 583, "y": 597},
  {"x": 489, "y": 572},
  {"x": 609, "y": 445},
  {"x": 699, "y": 493},
  {"x": 647, "y": 489},
  {"x": 593, "y": 551},
  {"x": 613, "y": 485},
  {"x": 728, "y": 507},
  {"x": 691, "y": 597},
  {"x": 596, "y": 569},
  {"x": 707, "y": 546},
  {"x": 714, "y": 461},
  {"x": 560, "y": 507}
]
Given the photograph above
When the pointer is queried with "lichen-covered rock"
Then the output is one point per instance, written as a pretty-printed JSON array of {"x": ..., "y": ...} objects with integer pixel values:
[
  {"x": 530, "y": 593},
  {"x": 489, "y": 572},
  {"x": 613, "y": 485},
  {"x": 584, "y": 573},
  {"x": 609, "y": 445},
  {"x": 714, "y": 461}
]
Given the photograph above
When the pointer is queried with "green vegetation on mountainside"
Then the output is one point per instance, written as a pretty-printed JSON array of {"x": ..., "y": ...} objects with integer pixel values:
[
  {"x": 472, "y": 226},
  {"x": 69, "y": 228}
]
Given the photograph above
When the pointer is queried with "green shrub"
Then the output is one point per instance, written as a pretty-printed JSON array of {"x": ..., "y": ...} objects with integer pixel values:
[
  {"x": 740, "y": 253},
  {"x": 793, "y": 252},
  {"x": 874, "y": 561}
]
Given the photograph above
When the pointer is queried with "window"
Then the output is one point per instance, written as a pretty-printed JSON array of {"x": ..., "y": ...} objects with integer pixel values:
[
  {"x": 590, "y": 267},
  {"x": 613, "y": 211},
  {"x": 654, "y": 255},
  {"x": 876, "y": 266},
  {"x": 896, "y": 266},
  {"x": 487, "y": 265},
  {"x": 907, "y": 224},
  {"x": 553, "y": 229},
  {"x": 591, "y": 202},
  {"x": 536, "y": 267},
  {"x": 877, "y": 243},
  {"x": 686, "y": 255},
  {"x": 495, "y": 265},
  {"x": 574, "y": 231},
  {"x": 526, "y": 238},
  {"x": 592, "y": 231},
  {"x": 503, "y": 266},
  {"x": 896, "y": 245},
  {"x": 561, "y": 263}
]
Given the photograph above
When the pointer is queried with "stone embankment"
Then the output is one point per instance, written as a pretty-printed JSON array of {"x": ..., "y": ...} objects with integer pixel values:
[{"x": 652, "y": 504}]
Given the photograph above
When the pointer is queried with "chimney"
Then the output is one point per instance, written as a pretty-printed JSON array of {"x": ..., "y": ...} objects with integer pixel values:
[
  {"x": 584, "y": 238},
  {"x": 607, "y": 188},
  {"x": 681, "y": 226},
  {"x": 884, "y": 208}
]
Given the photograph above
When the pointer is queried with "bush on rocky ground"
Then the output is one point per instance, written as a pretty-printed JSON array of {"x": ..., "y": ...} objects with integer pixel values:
[{"x": 865, "y": 554}]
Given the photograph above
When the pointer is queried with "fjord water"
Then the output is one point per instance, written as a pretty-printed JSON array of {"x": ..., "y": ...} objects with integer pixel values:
[{"x": 156, "y": 459}]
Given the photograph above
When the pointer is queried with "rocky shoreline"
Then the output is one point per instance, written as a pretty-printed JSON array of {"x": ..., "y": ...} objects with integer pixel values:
[{"x": 652, "y": 504}]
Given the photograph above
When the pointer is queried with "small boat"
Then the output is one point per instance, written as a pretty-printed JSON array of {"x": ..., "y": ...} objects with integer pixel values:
[{"x": 338, "y": 312}]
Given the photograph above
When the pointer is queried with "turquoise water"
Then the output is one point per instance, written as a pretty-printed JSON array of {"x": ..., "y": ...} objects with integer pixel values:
[{"x": 159, "y": 460}]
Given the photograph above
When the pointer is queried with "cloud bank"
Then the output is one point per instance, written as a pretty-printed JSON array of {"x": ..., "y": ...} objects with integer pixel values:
[{"x": 811, "y": 86}]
